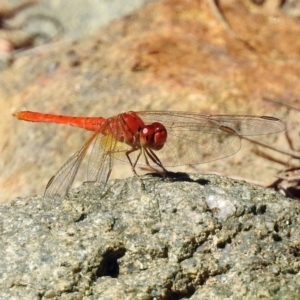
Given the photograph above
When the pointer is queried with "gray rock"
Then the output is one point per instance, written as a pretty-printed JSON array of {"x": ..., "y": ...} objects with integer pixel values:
[
  {"x": 72, "y": 20},
  {"x": 196, "y": 237}
]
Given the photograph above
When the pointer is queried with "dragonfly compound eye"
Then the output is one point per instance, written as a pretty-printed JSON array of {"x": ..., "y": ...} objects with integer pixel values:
[{"x": 154, "y": 136}]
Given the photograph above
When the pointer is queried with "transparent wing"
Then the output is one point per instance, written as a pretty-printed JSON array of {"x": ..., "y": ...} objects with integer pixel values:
[
  {"x": 101, "y": 160},
  {"x": 195, "y": 139},
  {"x": 61, "y": 181},
  {"x": 193, "y": 148},
  {"x": 105, "y": 170},
  {"x": 104, "y": 149},
  {"x": 242, "y": 125}
]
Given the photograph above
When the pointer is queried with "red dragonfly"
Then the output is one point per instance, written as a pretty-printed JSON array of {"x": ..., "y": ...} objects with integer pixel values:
[{"x": 161, "y": 138}]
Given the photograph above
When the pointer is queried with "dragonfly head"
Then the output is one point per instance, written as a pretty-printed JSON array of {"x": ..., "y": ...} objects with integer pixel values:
[{"x": 153, "y": 136}]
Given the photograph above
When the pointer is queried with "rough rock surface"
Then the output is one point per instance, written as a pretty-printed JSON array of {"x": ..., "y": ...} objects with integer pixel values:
[{"x": 196, "y": 237}]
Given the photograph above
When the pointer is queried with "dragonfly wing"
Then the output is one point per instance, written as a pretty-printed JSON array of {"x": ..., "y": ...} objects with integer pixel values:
[
  {"x": 193, "y": 147},
  {"x": 242, "y": 125},
  {"x": 61, "y": 181},
  {"x": 105, "y": 170},
  {"x": 101, "y": 159},
  {"x": 250, "y": 125},
  {"x": 195, "y": 139}
]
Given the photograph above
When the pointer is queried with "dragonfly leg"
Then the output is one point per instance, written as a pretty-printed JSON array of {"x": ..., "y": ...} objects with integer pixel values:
[
  {"x": 133, "y": 165},
  {"x": 154, "y": 158}
]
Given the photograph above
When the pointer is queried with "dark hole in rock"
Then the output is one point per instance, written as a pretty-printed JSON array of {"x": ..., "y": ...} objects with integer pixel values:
[{"x": 109, "y": 266}]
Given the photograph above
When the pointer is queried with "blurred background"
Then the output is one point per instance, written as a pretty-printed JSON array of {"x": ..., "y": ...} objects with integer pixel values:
[{"x": 101, "y": 58}]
